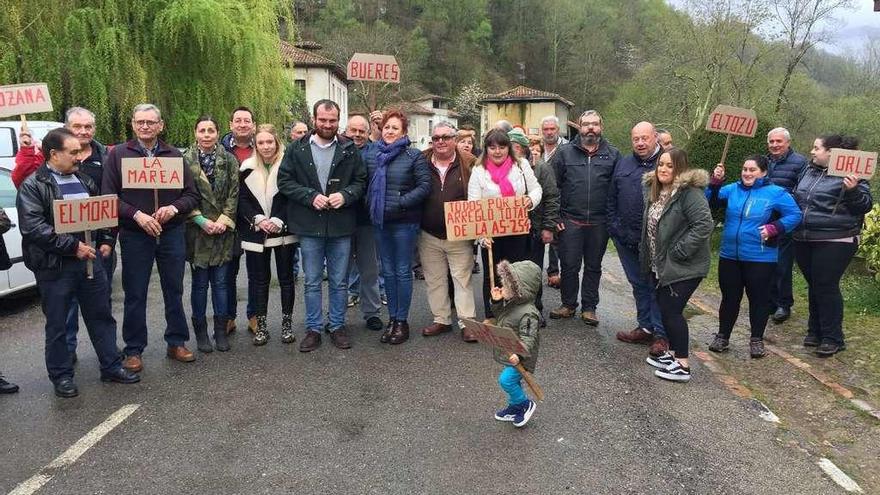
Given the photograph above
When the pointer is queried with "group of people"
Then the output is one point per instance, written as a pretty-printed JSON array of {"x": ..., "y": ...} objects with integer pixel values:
[{"x": 358, "y": 202}]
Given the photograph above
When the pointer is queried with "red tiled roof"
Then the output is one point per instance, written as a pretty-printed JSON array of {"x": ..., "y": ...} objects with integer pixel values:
[
  {"x": 524, "y": 93},
  {"x": 299, "y": 57}
]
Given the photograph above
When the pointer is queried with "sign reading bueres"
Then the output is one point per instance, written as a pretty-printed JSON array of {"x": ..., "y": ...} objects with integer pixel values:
[
  {"x": 501, "y": 338},
  {"x": 152, "y": 173},
  {"x": 20, "y": 99},
  {"x": 844, "y": 162},
  {"x": 492, "y": 217},
  {"x": 733, "y": 120},
  {"x": 373, "y": 67},
  {"x": 80, "y": 215}
]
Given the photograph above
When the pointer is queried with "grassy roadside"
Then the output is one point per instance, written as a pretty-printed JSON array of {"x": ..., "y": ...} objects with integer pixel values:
[{"x": 860, "y": 363}]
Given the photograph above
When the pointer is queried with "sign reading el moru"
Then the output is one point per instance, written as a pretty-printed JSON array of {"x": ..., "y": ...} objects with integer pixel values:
[
  {"x": 20, "y": 99},
  {"x": 733, "y": 120},
  {"x": 373, "y": 67},
  {"x": 492, "y": 217},
  {"x": 81, "y": 215},
  {"x": 845, "y": 162},
  {"x": 152, "y": 173}
]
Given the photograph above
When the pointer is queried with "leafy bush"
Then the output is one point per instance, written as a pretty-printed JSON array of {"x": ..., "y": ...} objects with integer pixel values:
[
  {"x": 705, "y": 148},
  {"x": 869, "y": 249}
]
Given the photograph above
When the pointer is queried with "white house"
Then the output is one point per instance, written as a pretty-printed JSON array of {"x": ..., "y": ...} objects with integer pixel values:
[
  {"x": 423, "y": 113},
  {"x": 317, "y": 76}
]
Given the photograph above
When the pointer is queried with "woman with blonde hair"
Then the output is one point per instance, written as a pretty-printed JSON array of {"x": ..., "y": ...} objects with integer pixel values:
[{"x": 262, "y": 212}]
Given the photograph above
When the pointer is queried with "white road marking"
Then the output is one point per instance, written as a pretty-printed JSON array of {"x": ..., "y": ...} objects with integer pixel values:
[
  {"x": 839, "y": 476},
  {"x": 34, "y": 483}
]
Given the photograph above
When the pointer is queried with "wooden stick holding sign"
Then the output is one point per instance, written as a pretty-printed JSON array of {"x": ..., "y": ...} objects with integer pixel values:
[
  {"x": 152, "y": 173},
  {"x": 732, "y": 121},
  {"x": 85, "y": 215},
  {"x": 507, "y": 341}
]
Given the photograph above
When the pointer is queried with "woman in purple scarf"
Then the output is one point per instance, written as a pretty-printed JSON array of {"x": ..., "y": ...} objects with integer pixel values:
[{"x": 399, "y": 182}]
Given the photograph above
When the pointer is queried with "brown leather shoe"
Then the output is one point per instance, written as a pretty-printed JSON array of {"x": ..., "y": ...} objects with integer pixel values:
[
  {"x": 310, "y": 342},
  {"x": 400, "y": 333},
  {"x": 658, "y": 347},
  {"x": 133, "y": 363},
  {"x": 436, "y": 329},
  {"x": 589, "y": 318},
  {"x": 562, "y": 312},
  {"x": 230, "y": 327},
  {"x": 637, "y": 335},
  {"x": 181, "y": 353},
  {"x": 468, "y": 336},
  {"x": 340, "y": 338},
  {"x": 252, "y": 324},
  {"x": 386, "y": 335}
]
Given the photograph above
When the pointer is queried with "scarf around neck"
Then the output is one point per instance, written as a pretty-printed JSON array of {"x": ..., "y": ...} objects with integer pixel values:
[
  {"x": 376, "y": 190},
  {"x": 499, "y": 175}
]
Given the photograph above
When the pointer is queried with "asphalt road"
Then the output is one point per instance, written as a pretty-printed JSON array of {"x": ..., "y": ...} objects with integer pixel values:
[{"x": 414, "y": 418}]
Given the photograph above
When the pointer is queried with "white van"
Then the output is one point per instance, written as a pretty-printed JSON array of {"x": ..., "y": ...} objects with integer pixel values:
[{"x": 18, "y": 277}]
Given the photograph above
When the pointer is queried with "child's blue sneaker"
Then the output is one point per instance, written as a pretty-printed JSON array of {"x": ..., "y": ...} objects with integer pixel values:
[
  {"x": 507, "y": 414},
  {"x": 524, "y": 412}
]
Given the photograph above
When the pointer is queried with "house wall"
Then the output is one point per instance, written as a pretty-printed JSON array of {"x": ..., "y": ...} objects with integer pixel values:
[{"x": 322, "y": 83}]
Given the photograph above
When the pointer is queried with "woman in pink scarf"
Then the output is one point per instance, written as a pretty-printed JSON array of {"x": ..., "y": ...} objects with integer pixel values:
[{"x": 499, "y": 173}]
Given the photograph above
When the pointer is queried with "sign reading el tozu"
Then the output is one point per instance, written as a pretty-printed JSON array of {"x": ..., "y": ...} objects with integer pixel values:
[
  {"x": 152, "y": 173},
  {"x": 20, "y": 99},
  {"x": 844, "y": 162},
  {"x": 733, "y": 120},
  {"x": 492, "y": 217},
  {"x": 373, "y": 67},
  {"x": 498, "y": 337},
  {"x": 81, "y": 215}
]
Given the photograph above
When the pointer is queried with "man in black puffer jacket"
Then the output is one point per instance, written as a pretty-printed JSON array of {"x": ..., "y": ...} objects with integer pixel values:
[{"x": 786, "y": 167}]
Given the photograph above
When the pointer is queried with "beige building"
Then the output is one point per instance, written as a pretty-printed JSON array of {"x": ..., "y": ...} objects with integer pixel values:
[
  {"x": 317, "y": 76},
  {"x": 525, "y": 107}
]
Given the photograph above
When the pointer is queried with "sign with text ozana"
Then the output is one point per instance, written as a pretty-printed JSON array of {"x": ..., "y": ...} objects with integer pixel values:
[
  {"x": 491, "y": 217},
  {"x": 373, "y": 67},
  {"x": 501, "y": 338},
  {"x": 81, "y": 215},
  {"x": 20, "y": 99},
  {"x": 152, "y": 173},
  {"x": 733, "y": 120},
  {"x": 844, "y": 162}
]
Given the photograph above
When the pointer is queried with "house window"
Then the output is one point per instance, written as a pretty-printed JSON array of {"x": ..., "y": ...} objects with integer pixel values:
[
  {"x": 300, "y": 84},
  {"x": 435, "y": 103}
]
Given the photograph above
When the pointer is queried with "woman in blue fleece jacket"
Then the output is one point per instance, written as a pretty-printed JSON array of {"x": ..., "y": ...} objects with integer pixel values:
[{"x": 757, "y": 212}]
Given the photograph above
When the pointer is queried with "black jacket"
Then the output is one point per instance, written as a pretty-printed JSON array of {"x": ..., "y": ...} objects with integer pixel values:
[
  {"x": 828, "y": 211},
  {"x": 44, "y": 251},
  {"x": 786, "y": 171},
  {"x": 298, "y": 181},
  {"x": 626, "y": 198},
  {"x": 407, "y": 184},
  {"x": 259, "y": 198},
  {"x": 93, "y": 165},
  {"x": 545, "y": 216},
  {"x": 583, "y": 180}
]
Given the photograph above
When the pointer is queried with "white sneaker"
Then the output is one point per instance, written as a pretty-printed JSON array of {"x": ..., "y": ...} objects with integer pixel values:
[
  {"x": 661, "y": 362},
  {"x": 674, "y": 372}
]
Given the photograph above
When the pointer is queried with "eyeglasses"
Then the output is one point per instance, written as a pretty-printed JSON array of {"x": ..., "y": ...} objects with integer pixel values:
[
  {"x": 437, "y": 139},
  {"x": 145, "y": 123}
]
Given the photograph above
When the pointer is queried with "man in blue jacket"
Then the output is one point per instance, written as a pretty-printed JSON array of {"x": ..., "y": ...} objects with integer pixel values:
[
  {"x": 625, "y": 205},
  {"x": 786, "y": 167}
]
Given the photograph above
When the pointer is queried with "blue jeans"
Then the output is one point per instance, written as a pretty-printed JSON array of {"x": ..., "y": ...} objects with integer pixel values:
[
  {"x": 72, "y": 323},
  {"x": 217, "y": 276},
  {"x": 364, "y": 279},
  {"x": 138, "y": 251},
  {"x": 647, "y": 310},
  {"x": 315, "y": 251},
  {"x": 510, "y": 381},
  {"x": 57, "y": 295},
  {"x": 395, "y": 242}
]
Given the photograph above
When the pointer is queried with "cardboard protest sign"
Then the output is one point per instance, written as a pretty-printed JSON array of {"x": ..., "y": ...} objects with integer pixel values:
[
  {"x": 844, "y": 162},
  {"x": 498, "y": 337},
  {"x": 19, "y": 99},
  {"x": 373, "y": 67},
  {"x": 152, "y": 173},
  {"x": 491, "y": 217},
  {"x": 81, "y": 215},
  {"x": 733, "y": 120}
]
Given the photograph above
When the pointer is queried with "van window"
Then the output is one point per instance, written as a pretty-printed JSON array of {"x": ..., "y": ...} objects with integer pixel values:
[
  {"x": 7, "y": 148},
  {"x": 7, "y": 190}
]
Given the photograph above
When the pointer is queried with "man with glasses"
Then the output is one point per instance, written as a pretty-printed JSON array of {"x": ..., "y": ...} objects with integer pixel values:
[
  {"x": 450, "y": 173},
  {"x": 148, "y": 233},
  {"x": 583, "y": 174}
]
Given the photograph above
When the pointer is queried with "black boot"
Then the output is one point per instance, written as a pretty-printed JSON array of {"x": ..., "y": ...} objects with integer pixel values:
[
  {"x": 221, "y": 342},
  {"x": 386, "y": 335},
  {"x": 200, "y": 329},
  {"x": 262, "y": 334}
]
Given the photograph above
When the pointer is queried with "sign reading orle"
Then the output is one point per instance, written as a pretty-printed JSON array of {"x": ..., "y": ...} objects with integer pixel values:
[
  {"x": 373, "y": 67},
  {"x": 845, "y": 162},
  {"x": 733, "y": 120},
  {"x": 20, "y": 99},
  {"x": 80, "y": 215},
  {"x": 152, "y": 173},
  {"x": 491, "y": 217}
]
